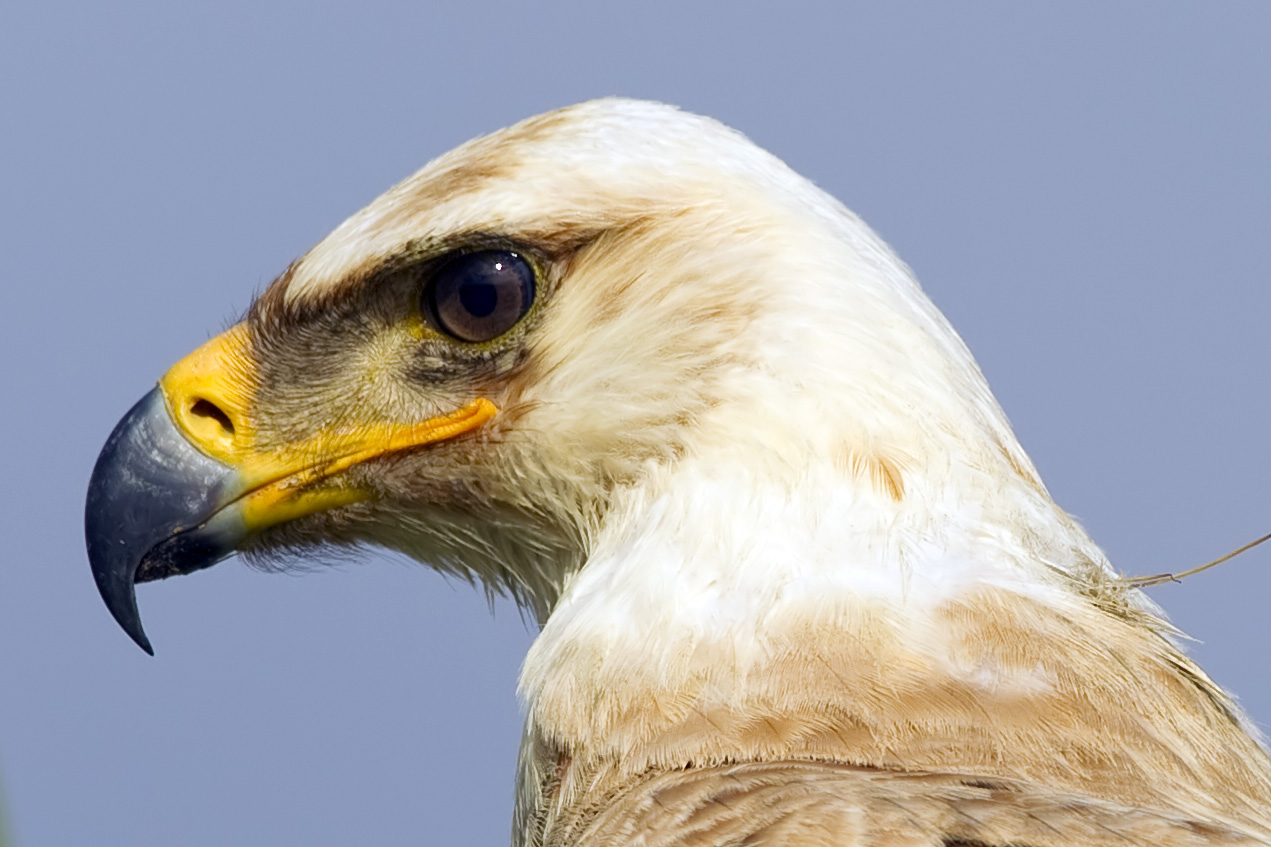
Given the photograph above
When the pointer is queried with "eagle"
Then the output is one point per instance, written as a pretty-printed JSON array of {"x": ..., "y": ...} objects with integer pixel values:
[{"x": 796, "y": 582}]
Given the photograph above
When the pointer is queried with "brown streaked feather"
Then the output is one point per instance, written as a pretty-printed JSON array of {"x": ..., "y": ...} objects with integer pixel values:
[
  {"x": 821, "y": 804},
  {"x": 1083, "y": 703}
]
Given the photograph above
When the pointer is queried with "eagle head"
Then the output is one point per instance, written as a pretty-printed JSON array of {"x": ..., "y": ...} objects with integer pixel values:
[{"x": 478, "y": 367}]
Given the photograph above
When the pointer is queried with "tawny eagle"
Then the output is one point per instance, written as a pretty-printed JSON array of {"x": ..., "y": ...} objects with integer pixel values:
[{"x": 797, "y": 582}]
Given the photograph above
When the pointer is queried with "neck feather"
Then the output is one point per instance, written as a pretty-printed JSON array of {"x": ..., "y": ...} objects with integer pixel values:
[{"x": 722, "y": 617}]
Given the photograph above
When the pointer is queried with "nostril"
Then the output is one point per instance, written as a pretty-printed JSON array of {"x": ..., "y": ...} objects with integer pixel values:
[{"x": 206, "y": 409}]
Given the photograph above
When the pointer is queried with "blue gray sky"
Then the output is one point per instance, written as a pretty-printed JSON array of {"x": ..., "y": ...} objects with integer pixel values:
[{"x": 1082, "y": 187}]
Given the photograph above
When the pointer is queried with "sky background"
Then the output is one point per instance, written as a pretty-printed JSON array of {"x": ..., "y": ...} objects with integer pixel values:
[{"x": 1083, "y": 188}]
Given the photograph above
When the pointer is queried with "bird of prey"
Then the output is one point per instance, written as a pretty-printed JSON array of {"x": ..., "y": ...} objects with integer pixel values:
[{"x": 796, "y": 581}]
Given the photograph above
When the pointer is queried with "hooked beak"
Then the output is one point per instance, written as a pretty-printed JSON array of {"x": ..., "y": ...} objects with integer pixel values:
[
  {"x": 183, "y": 481},
  {"x": 155, "y": 508}
]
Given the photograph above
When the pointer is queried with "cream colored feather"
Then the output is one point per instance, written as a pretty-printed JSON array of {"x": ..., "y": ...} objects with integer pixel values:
[{"x": 802, "y": 586}]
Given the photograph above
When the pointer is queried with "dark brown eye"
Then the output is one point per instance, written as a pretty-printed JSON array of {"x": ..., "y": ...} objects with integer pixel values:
[{"x": 479, "y": 296}]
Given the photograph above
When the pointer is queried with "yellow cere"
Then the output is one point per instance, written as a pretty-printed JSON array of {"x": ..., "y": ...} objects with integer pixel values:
[{"x": 209, "y": 393}]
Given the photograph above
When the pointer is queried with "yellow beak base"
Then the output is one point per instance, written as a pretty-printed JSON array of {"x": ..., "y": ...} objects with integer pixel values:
[{"x": 209, "y": 395}]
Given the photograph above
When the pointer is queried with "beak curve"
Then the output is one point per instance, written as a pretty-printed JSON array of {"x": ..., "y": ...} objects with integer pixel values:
[
  {"x": 155, "y": 508},
  {"x": 184, "y": 479}
]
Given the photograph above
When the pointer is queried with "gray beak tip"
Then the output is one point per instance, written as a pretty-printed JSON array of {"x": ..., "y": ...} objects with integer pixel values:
[
  {"x": 127, "y": 617},
  {"x": 150, "y": 495},
  {"x": 121, "y": 599}
]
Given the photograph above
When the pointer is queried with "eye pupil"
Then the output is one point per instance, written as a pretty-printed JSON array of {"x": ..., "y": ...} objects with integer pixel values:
[
  {"x": 479, "y": 298},
  {"x": 476, "y": 297}
]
